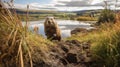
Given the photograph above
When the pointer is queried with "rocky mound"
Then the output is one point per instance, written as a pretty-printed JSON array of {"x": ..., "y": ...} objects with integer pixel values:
[
  {"x": 82, "y": 30},
  {"x": 67, "y": 54},
  {"x": 77, "y": 30}
]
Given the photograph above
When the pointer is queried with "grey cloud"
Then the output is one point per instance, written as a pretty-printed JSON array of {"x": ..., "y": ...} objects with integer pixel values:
[
  {"x": 73, "y": 3},
  {"x": 83, "y": 3}
]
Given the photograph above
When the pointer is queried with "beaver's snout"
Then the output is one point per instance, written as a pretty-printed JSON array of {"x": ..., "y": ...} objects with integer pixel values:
[{"x": 49, "y": 22}]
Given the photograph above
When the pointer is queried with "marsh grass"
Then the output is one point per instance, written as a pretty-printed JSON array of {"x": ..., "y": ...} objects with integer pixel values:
[
  {"x": 105, "y": 44},
  {"x": 17, "y": 43}
]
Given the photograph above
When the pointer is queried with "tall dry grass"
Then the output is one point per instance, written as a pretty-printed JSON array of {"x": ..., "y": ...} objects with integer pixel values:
[{"x": 17, "y": 44}]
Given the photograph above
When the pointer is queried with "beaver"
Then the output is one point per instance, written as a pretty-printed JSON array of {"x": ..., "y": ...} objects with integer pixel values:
[{"x": 51, "y": 29}]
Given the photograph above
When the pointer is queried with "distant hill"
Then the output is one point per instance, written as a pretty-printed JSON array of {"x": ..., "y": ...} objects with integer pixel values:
[
  {"x": 22, "y": 11},
  {"x": 90, "y": 11},
  {"x": 19, "y": 11}
]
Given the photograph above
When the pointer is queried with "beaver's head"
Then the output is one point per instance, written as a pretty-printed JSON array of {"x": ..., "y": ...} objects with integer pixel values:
[{"x": 50, "y": 21}]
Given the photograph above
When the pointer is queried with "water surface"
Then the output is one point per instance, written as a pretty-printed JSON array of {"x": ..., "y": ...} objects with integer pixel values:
[{"x": 65, "y": 25}]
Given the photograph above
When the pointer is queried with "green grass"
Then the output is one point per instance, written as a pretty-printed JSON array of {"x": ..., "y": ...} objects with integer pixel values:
[{"x": 105, "y": 44}]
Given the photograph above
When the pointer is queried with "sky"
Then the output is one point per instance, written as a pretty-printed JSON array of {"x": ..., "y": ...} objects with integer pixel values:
[{"x": 65, "y": 5}]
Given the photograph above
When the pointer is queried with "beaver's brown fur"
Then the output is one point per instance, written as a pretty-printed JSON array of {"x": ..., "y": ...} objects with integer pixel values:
[{"x": 51, "y": 29}]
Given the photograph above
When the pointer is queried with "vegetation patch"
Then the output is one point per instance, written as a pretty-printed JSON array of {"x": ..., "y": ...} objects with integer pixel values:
[{"x": 104, "y": 44}]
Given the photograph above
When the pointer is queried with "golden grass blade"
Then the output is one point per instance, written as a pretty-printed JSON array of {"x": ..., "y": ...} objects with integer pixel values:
[
  {"x": 21, "y": 57},
  {"x": 6, "y": 19},
  {"x": 9, "y": 36},
  {"x": 20, "y": 54},
  {"x": 30, "y": 58},
  {"x": 13, "y": 41}
]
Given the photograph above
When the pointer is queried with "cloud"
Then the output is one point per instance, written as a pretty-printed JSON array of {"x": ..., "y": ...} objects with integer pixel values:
[
  {"x": 71, "y": 5},
  {"x": 87, "y": 4},
  {"x": 84, "y": 3},
  {"x": 42, "y": 7},
  {"x": 21, "y": 6},
  {"x": 77, "y": 8}
]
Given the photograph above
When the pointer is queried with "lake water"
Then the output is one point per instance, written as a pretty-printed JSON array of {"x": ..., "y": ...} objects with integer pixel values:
[{"x": 65, "y": 25}]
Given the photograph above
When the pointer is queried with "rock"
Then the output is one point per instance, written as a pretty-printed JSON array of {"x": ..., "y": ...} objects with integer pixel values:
[
  {"x": 71, "y": 58},
  {"x": 78, "y": 30}
]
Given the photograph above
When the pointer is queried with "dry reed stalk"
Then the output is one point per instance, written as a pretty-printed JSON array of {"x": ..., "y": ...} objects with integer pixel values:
[
  {"x": 13, "y": 41},
  {"x": 21, "y": 54},
  {"x": 29, "y": 53},
  {"x": 26, "y": 26}
]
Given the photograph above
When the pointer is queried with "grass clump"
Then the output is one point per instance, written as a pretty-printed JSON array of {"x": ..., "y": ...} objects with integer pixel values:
[
  {"x": 106, "y": 15},
  {"x": 105, "y": 43},
  {"x": 106, "y": 48}
]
